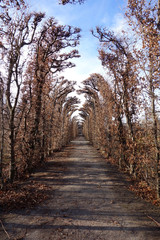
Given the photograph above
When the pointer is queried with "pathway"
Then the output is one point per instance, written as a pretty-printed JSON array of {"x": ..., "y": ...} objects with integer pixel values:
[{"x": 89, "y": 201}]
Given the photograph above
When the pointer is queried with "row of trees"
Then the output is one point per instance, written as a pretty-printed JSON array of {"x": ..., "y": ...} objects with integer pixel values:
[
  {"x": 121, "y": 112},
  {"x": 35, "y": 104}
]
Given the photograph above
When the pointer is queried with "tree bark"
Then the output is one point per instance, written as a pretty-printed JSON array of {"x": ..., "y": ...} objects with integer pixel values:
[
  {"x": 2, "y": 134},
  {"x": 12, "y": 145}
]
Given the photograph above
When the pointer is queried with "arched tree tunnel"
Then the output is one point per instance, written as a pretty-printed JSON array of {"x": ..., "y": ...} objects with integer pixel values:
[
  {"x": 108, "y": 122},
  {"x": 41, "y": 112}
]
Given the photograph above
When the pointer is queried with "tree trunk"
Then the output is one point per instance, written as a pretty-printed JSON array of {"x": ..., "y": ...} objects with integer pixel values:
[
  {"x": 155, "y": 132},
  {"x": 2, "y": 137},
  {"x": 122, "y": 141},
  {"x": 34, "y": 141},
  {"x": 12, "y": 145},
  {"x": 155, "y": 129}
]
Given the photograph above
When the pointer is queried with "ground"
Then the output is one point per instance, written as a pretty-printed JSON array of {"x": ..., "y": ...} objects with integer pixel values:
[{"x": 89, "y": 200}]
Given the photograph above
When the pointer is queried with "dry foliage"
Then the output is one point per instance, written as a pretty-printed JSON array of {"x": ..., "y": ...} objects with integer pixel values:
[
  {"x": 121, "y": 112},
  {"x": 21, "y": 196},
  {"x": 144, "y": 191},
  {"x": 35, "y": 104}
]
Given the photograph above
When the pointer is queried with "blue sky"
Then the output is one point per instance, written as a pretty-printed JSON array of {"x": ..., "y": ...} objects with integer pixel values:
[{"x": 105, "y": 13}]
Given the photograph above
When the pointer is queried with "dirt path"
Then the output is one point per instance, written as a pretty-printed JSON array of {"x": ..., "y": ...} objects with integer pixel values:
[{"x": 89, "y": 201}]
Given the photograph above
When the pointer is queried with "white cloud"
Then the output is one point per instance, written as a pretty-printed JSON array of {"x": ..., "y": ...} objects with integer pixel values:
[
  {"x": 85, "y": 66},
  {"x": 120, "y": 23}
]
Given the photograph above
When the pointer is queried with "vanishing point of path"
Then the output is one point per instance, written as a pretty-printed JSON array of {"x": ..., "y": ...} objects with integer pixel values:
[{"x": 88, "y": 200}]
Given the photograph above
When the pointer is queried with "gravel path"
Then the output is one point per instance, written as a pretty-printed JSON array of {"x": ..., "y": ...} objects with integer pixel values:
[{"x": 89, "y": 200}]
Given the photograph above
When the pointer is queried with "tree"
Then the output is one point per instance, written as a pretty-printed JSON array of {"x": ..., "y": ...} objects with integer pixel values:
[
  {"x": 18, "y": 30},
  {"x": 1, "y": 130},
  {"x": 30, "y": 91},
  {"x": 58, "y": 118},
  {"x": 97, "y": 119},
  {"x": 142, "y": 17},
  {"x": 117, "y": 57},
  {"x": 49, "y": 58}
]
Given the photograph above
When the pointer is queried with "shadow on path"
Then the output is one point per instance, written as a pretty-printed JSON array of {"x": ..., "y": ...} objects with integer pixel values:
[{"x": 88, "y": 200}]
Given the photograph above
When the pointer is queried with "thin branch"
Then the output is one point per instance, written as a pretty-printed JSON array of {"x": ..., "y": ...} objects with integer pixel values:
[
  {"x": 157, "y": 223},
  {"x": 5, "y": 230}
]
